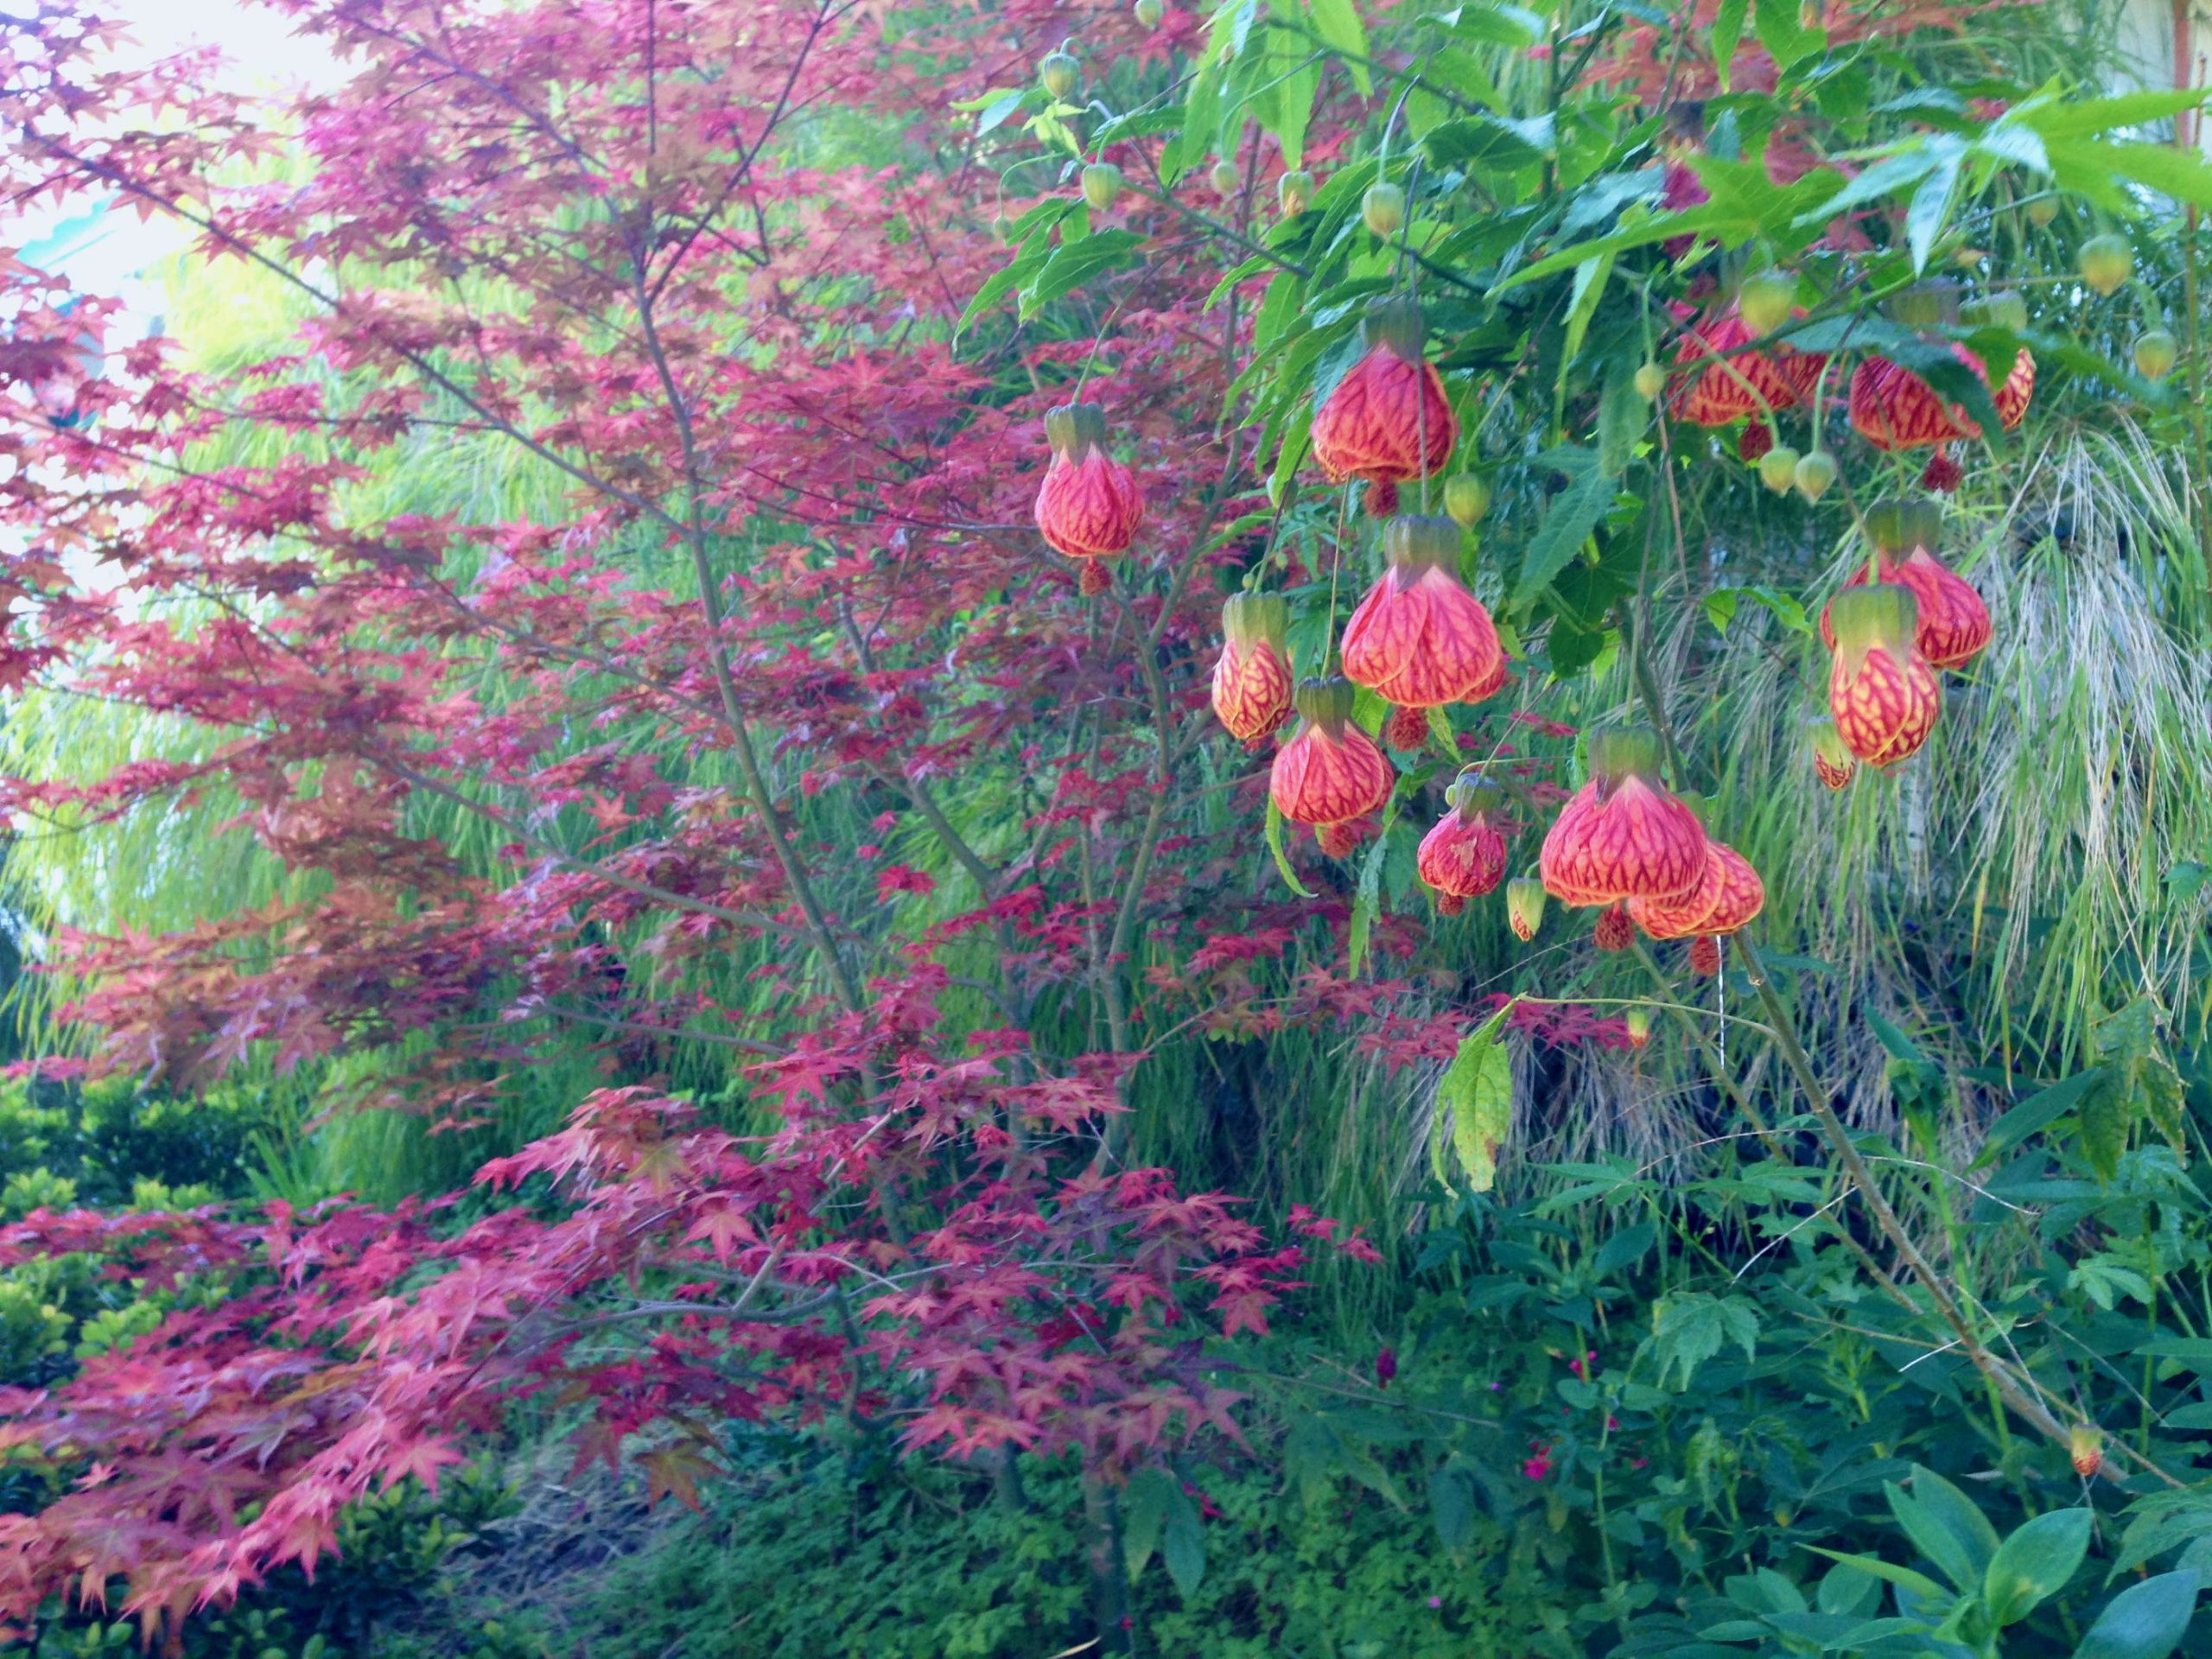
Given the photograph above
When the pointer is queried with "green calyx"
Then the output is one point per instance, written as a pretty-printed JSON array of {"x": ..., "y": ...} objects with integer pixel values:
[
  {"x": 1927, "y": 305},
  {"x": 1881, "y": 614},
  {"x": 1899, "y": 523},
  {"x": 1294, "y": 193},
  {"x": 1470, "y": 794},
  {"x": 1075, "y": 430},
  {"x": 1395, "y": 323},
  {"x": 1324, "y": 703},
  {"x": 1420, "y": 540},
  {"x": 2007, "y": 310},
  {"x": 1250, "y": 619},
  {"x": 1625, "y": 751}
]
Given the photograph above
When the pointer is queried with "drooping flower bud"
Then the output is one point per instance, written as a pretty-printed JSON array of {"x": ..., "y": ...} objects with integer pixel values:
[
  {"x": 1524, "y": 906},
  {"x": 1778, "y": 469},
  {"x": 1832, "y": 761},
  {"x": 1463, "y": 855},
  {"x": 1294, "y": 193},
  {"x": 1419, "y": 638},
  {"x": 1765, "y": 301},
  {"x": 1727, "y": 896},
  {"x": 1102, "y": 185},
  {"x": 1225, "y": 179},
  {"x": 1623, "y": 836},
  {"x": 1252, "y": 681},
  {"x": 1954, "y": 624},
  {"x": 2107, "y": 262},
  {"x": 1383, "y": 208},
  {"x": 1883, "y": 695},
  {"x": 2043, "y": 212},
  {"x": 1813, "y": 473},
  {"x": 1148, "y": 13},
  {"x": 1388, "y": 421},
  {"x": 1704, "y": 956},
  {"x": 1466, "y": 498},
  {"x": 1331, "y": 772},
  {"x": 1638, "y": 1021},
  {"x": 1651, "y": 381},
  {"x": 1613, "y": 930},
  {"x": 1718, "y": 382},
  {"x": 1089, "y": 506},
  {"x": 1058, "y": 71},
  {"x": 2085, "y": 1446},
  {"x": 2156, "y": 353}
]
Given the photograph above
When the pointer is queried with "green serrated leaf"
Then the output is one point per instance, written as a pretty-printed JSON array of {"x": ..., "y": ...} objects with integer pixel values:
[{"x": 1474, "y": 1102}]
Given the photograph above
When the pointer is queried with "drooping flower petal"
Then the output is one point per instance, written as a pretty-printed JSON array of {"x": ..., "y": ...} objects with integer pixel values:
[
  {"x": 1089, "y": 506},
  {"x": 1883, "y": 695},
  {"x": 1331, "y": 772},
  {"x": 1623, "y": 836},
  {"x": 1418, "y": 637},
  {"x": 1388, "y": 421}
]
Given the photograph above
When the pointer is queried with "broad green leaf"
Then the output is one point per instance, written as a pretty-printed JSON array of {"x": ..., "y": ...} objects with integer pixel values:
[
  {"x": 1072, "y": 265},
  {"x": 1728, "y": 30},
  {"x": 1282, "y": 859},
  {"x": 2103, "y": 114},
  {"x": 1960, "y": 1553},
  {"x": 2145, "y": 1621},
  {"x": 2035, "y": 1563},
  {"x": 1451, "y": 1504},
  {"x": 1183, "y": 1544},
  {"x": 1144, "y": 1514},
  {"x": 1474, "y": 1102},
  {"x": 1689, "y": 1328},
  {"x": 1919, "y": 1583},
  {"x": 1575, "y": 512},
  {"x": 1887, "y": 177},
  {"x": 1931, "y": 203},
  {"x": 1481, "y": 144},
  {"x": 2038, "y": 1111},
  {"x": 1337, "y": 22}
]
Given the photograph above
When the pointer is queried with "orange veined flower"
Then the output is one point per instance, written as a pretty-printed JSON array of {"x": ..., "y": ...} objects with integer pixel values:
[
  {"x": 1089, "y": 506},
  {"x": 1388, "y": 421},
  {"x": 1894, "y": 409},
  {"x": 1462, "y": 856},
  {"x": 1419, "y": 638},
  {"x": 1727, "y": 898},
  {"x": 1717, "y": 381},
  {"x": 1883, "y": 693},
  {"x": 1331, "y": 772},
  {"x": 1623, "y": 836},
  {"x": 1252, "y": 681},
  {"x": 1953, "y": 624}
]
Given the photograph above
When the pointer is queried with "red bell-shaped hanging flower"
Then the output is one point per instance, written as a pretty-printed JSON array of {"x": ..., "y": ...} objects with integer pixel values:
[
  {"x": 1882, "y": 692},
  {"x": 1464, "y": 856},
  {"x": 1893, "y": 409},
  {"x": 1623, "y": 836},
  {"x": 1252, "y": 681},
  {"x": 1331, "y": 772},
  {"x": 1717, "y": 381},
  {"x": 1089, "y": 506},
  {"x": 1954, "y": 624},
  {"x": 1419, "y": 638},
  {"x": 1832, "y": 761},
  {"x": 1388, "y": 421},
  {"x": 1524, "y": 906},
  {"x": 1727, "y": 896}
]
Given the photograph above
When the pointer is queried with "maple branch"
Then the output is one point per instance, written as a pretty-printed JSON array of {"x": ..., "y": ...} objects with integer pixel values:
[{"x": 748, "y": 761}]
